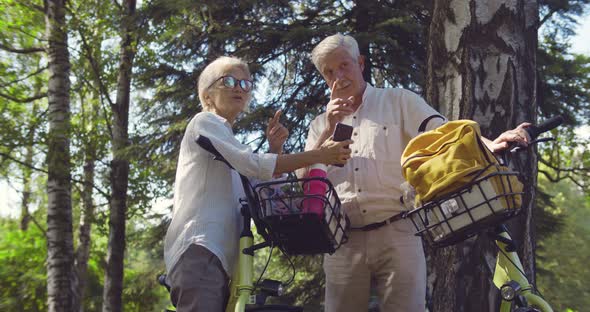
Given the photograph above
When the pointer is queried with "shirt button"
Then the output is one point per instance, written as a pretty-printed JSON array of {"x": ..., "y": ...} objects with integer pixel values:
[
  {"x": 364, "y": 211},
  {"x": 353, "y": 117},
  {"x": 356, "y": 152},
  {"x": 359, "y": 190},
  {"x": 354, "y": 134},
  {"x": 384, "y": 128},
  {"x": 356, "y": 169}
]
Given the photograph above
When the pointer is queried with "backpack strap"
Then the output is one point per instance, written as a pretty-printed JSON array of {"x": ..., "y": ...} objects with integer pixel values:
[{"x": 424, "y": 123}]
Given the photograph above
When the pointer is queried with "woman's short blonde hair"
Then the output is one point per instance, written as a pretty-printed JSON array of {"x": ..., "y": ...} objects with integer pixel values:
[
  {"x": 331, "y": 43},
  {"x": 214, "y": 71}
]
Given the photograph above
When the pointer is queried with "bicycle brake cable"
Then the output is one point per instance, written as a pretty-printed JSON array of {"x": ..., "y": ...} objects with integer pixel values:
[
  {"x": 272, "y": 246},
  {"x": 533, "y": 286},
  {"x": 292, "y": 267}
]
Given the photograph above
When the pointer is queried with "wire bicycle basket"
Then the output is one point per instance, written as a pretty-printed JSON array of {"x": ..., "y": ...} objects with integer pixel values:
[
  {"x": 484, "y": 202},
  {"x": 295, "y": 229}
]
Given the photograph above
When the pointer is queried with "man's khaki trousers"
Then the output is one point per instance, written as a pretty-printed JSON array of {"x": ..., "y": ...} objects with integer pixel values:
[{"x": 390, "y": 255}]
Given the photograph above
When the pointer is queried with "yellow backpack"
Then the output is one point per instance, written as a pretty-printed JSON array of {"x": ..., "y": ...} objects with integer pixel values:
[{"x": 443, "y": 160}]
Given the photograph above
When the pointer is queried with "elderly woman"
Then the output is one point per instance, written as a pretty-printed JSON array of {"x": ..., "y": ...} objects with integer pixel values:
[{"x": 201, "y": 245}]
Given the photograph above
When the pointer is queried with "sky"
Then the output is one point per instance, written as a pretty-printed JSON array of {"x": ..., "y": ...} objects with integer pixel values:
[
  {"x": 9, "y": 198},
  {"x": 581, "y": 45},
  {"x": 581, "y": 42}
]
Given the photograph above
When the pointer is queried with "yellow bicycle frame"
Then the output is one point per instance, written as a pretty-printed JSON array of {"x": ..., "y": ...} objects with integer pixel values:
[
  {"x": 509, "y": 268},
  {"x": 241, "y": 286}
]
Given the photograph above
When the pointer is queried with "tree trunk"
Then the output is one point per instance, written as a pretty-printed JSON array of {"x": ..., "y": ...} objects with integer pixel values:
[
  {"x": 90, "y": 114},
  {"x": 113, "y": 285},
  {"x": 61, "y": 281},
  {"x": 28, "y": 174},
  {"x": 481, "y": 66},
  {"x": 86, "y": 219}
]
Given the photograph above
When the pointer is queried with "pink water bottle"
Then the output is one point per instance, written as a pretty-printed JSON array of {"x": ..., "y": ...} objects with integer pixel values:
[{"x": 315, "y": 187}]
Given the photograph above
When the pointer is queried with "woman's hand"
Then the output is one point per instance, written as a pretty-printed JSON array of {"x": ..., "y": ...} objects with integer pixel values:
[
  {"x": 276, "y": 134},
  {"x": 335, "y": 152},
  {"x": 517, "y": 135}
]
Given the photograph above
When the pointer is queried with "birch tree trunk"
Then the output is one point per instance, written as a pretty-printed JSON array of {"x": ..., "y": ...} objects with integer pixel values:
[
  {"x": 61, "y": 281},
  {"x": 28, "y": 172},
  {"x": 481, "y": 66},
  {"x": 86, "y": 218},
  {"x": 113, "y": 285},
  {"x": 91, "y": 110}
]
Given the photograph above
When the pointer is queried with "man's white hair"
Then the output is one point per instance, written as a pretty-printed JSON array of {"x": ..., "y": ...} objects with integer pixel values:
[
  {"x": 331, "y": 43},
  {"x": 214, "y": 71}
]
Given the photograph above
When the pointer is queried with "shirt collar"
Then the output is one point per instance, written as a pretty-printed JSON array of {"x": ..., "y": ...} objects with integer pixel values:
[
  {"x": 368, "y": 91},
  {"x": 224, "y": 121}
]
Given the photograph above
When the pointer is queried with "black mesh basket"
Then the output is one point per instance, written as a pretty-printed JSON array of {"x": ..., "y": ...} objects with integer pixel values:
[
  {"x": 291, "y": 228},
  {"x": 486, "y": 201}
]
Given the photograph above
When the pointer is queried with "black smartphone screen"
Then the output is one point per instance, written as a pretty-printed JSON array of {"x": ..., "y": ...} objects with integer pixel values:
[{"x": 342, "y": 133}]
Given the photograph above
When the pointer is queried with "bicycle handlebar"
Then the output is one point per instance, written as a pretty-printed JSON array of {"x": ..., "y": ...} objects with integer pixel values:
[
  {"x": 206, "y": 144},
  {"x": 551, "y": 123}
]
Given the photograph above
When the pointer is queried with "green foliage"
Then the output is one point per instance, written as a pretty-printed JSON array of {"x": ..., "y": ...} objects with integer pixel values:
[
  {"x": 22, "y": 85},
  {"x": 306, "y": 288},
  {"x": 564, "y": 82},
  {"x": 143, "y": 263},
  {"x": 563, "y": 269},
  {"x": 22, "y": 268}
]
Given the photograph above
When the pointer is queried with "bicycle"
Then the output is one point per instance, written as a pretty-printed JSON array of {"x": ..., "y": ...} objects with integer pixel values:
[
  {"x": 276, "y": 209},
  {"x": 484, "y": 203}
]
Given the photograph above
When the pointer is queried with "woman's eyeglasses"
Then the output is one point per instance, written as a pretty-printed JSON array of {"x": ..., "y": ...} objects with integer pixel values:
[{"x": 231, "y": 82}]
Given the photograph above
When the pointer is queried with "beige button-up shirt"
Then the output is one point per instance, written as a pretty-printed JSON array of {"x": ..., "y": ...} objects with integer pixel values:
[{"x": 369, "y": 184}]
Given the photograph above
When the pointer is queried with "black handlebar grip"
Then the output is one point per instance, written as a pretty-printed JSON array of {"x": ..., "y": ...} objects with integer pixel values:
[
  {"x": 162, "y": 281},
  {"x": 553, "y": 122}
]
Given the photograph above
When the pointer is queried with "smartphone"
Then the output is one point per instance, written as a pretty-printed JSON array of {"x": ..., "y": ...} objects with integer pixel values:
[{"x": 342, "y": 133}]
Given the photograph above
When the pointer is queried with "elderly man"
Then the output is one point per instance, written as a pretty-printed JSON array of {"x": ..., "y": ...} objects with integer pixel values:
[{"x": 381, "y": 245}]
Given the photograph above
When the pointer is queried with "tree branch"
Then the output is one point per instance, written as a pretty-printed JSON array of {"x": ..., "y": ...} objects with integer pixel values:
[
  {"x": 546, "y": 17},
  {"x": 117, "y": 4},
  {"x": 32, "y": 5},
  {"x": 37, "y": 224},
  {"x": 26, "y": 77},
  {"x": 95, "y": 69},
  {"x": 25, "y": 100},
  {"x": 21, "y": 50},
  {"x": 22, "y": 31},
  {"x": 6, "y": 156},
  {"x": 22, "y": 163},
  {"x": 558, "y": 178},
  {"x": 558, "y": 169}
]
